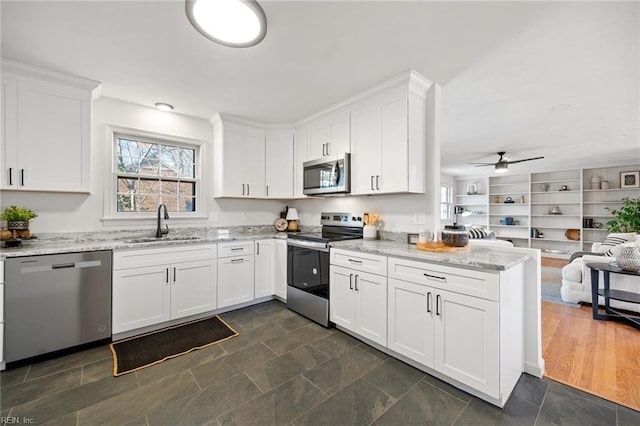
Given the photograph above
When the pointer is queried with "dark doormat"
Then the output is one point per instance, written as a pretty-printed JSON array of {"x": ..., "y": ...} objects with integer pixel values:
[{"x": 152, "y": 348}]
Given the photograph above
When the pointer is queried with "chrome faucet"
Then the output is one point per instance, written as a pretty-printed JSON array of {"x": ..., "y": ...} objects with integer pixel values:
[{"x": 159, "y": 231}]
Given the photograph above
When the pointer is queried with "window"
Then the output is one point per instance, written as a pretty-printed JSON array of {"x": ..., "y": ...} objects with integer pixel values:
[
  {"x": 445, "y": 202},
  {"x": 151, "y": 172}
]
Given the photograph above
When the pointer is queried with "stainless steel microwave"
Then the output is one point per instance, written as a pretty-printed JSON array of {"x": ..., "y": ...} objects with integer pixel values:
[{"x": 328, "y": 175}]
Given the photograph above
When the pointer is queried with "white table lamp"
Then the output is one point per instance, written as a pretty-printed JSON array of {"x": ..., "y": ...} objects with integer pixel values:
[{"x": 292, "y": 218}]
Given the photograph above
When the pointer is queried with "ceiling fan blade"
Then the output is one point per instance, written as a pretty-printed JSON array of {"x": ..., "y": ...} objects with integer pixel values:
[
  {"x": 483, "y": 164},
  {"x": 526, "y": 159}
]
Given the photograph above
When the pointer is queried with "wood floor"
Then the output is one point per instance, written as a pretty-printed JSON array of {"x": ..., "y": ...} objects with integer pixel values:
[{"x": 599, "y": 357}]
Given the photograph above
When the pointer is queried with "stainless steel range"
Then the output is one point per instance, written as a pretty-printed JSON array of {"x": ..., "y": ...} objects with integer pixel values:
[{"x": 308, "y": 264}]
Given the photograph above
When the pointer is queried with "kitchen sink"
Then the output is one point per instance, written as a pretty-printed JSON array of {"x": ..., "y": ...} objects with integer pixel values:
[{"x": 154, "y": 239}]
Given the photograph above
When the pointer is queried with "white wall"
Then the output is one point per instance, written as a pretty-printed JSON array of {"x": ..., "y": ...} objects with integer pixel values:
[{"x": 60, "y": 212}]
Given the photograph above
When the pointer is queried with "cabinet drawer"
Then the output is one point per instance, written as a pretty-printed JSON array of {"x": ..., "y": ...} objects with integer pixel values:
[
  {"x": 473, "y": 283},
  {"x": 236, "y": 248},
  {"x": 359, "y": 261},
  {"x": 125, "y": 259}
]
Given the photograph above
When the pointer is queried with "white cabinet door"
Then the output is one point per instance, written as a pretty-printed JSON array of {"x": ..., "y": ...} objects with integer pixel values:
[
  {"x": 9, "y": 134},
  {"x": 467, "y": 340},
  {"x": 411, "y": 321},
  {"x": 365, "y": 148},
  {"x": 54, "y": 137},
  {"x": 280, "y": 268},
  {"x": 279, "y": 160},
  {"x": 254, "y": 162},
  {"x": 394, "y": 140},
  {"x": 300, "y": 152},
  {"x": 264, "y": 268},
  {"x": 329, "y": 135},
  {"x": 193, "y": 288},
  {"x": 341, "y": 295},
  {"x": 370, "y": 307},
  {"x": 141, "y": 297},
  {"x": 232, "y": 162},
  {"x": 235, "y": 280}
]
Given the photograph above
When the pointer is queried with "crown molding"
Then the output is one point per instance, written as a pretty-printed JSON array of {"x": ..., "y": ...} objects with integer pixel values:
[{"x": 27, "y": 70}]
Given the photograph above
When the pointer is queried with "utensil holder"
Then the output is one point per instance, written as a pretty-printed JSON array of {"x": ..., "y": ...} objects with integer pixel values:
[{"x": 370, "y": 232}]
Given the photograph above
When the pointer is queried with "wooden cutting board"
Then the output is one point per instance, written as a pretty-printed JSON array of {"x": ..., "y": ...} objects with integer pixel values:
[{"x": 441, "y": 247}]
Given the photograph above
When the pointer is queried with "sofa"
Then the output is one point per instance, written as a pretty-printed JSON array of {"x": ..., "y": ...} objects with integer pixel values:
[{"x": 576, "y": 276}]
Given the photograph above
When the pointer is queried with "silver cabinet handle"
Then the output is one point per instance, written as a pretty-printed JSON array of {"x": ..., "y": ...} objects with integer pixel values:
[
  {"x": 21, "y": 177},
  {"x": 257, "y": 248},
  {"x": 356, "y": 280},
  {"x": 267, "y": 190},
  {"x": 174, "y": 275},
  {"x": 11, "y": 176},
  {"x": 328, "y": 148},
  {"x": 372, "y": 188},
  {"x": 167, "y": 277},
  {"x": 237, "y": 249},
  {"x": 237, "y": 260},
  {"x": 357, "y": 262},
  {"x": 350, "y": 281},
  {"x": 323, "y": 151},
  {"x": 378, "y": 182},
  {"x": 435, "y": 277},
  {"x": 429, "y": 302},
  {"x": 248, "y": 189},
  {"x": 243, "y": 189},
  {"x": 438, "y": 304}
]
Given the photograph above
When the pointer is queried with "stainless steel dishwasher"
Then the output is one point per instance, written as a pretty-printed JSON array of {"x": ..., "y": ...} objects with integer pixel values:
[{"x": 55, "y": 302}]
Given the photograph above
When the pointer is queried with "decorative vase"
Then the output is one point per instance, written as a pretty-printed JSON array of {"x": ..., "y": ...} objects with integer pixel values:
[
  {"x": 595, "y": 182},
  {"x": 604, "y": 184},
  {"x": 629, "y": 258}
]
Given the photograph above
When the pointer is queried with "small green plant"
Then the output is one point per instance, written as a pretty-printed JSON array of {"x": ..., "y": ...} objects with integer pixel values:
[
  {"x": 627, "y": 217},
  {"x": 17, "y": 214}
]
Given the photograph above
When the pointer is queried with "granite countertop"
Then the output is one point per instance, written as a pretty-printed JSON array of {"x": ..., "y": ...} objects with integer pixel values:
[
  {"x": 116, "y": 240},
  {"x": 478, "y": 257}
]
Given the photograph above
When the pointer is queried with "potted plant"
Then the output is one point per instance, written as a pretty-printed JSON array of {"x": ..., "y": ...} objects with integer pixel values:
[
  {"x": 17, "y": 217},
  {"x": 627, "y": 217}
]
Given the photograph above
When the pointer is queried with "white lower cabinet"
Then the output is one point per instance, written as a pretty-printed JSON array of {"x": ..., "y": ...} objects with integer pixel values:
[
  {"x": 235, "y": 273},
  {"x": 359, "y": 302},
  {"x": 151, "y": 286},
  {"x": 449, "y": 332},
  {"x": 280, "y": 268},
  {"x": 264, "y": 268}
]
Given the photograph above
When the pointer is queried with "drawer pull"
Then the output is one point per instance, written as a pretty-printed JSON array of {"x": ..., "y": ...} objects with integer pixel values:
[
  {"x": 237, "y": 249},
  {"x": 435, "y": 277},
  {"x": 237, "y": 260},
  {"x": 357, "y": 262}
]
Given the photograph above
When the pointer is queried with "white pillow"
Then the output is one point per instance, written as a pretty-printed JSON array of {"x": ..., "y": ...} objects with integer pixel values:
[{"x": 614, "y": 239}]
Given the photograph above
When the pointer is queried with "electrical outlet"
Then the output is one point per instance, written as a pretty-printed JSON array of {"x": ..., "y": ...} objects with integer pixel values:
[
  {"x": 419, "y": 218},
  {"x": 214, "y": 217}
]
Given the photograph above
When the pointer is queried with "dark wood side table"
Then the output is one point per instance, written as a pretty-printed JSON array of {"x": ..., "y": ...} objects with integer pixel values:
[{"x": 612, "y": 314}]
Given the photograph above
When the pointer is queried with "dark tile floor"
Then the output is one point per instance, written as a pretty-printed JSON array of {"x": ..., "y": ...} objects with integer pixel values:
[{"x": 281, "y": 369}]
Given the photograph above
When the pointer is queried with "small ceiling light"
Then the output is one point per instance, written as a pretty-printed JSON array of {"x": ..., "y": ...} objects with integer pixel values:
[
  {"x": 164, "y": 107},
  {"x": 501, "y": 167},
  {"x": 233, "y": 23}
]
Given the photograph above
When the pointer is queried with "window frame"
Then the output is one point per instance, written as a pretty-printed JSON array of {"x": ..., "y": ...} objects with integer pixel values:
[
  {"x": 111, "y": 188},
  {"x": 448, "y": 204}
]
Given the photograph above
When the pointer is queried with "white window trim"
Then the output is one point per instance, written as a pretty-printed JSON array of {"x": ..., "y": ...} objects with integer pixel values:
[
  {"x": 449, "y": 202},
  {"x": 111, "y": 215}
]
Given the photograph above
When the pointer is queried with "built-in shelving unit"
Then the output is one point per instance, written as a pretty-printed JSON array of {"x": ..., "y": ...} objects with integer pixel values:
[
  {"x": 472, "y": 195},
  {"x": 556, "y": 215},
  {"x": 597, "y": 201},
  {"x": 537, "y": 197},
  {"x": 509, "y": 215}
]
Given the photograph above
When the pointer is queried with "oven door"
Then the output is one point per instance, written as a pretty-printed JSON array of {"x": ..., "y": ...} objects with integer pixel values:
[
  {"x": 308, "y": 268},
  {"x": 328, "y": 175}
]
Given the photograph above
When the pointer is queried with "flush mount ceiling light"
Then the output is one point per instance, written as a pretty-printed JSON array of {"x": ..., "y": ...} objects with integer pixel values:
[
  {"x": 234, "y": 23},
  {"x": 164, "y": 107}
]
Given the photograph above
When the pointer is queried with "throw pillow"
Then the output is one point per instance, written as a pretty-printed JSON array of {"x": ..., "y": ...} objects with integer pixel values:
[
  {"x": 477, "y": 233},
  {"x": 612, "y": 241}
]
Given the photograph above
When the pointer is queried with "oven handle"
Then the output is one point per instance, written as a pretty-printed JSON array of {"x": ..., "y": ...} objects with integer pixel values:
[{"x": 309, "y": 245}]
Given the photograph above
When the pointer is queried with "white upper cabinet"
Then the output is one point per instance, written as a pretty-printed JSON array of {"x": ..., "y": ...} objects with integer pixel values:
[
  {"x": 238, "y": 158},
  {"x": 279, "y": 163},
  {"x": 47, "y": 138},
  {"x": 329, "y": 135},
  {"x": 388, "y": 138}
]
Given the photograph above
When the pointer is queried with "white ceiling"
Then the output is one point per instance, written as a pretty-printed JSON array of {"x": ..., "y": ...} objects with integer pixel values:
[{"x": 503, "y": 66}]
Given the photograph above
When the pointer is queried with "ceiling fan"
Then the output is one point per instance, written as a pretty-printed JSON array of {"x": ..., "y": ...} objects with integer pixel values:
[{"x": 502, "y": 166}]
